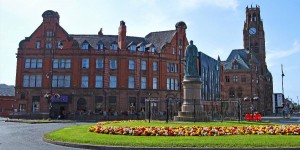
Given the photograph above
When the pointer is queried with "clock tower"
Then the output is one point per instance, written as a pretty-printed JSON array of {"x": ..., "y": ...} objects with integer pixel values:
[{"x": 254, "y": 35}]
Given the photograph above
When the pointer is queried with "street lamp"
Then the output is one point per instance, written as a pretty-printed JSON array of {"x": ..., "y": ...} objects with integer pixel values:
[{"x": 49, "y": 96}]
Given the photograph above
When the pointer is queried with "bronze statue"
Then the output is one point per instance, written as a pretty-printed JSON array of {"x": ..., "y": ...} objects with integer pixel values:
[{"x": 191, "y": 56}]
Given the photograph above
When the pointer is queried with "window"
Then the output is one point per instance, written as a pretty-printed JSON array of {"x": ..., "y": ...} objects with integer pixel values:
[
  {"x": 257, "y": 80},
  {"x": 113, "y": 64},
  {"x": 60, "y": 81},
  {"x": 84, "y": 81},
  {"x": 168, "y": 84},
  {"x": 99, "y": 104},
  {"x": 27, "y": 63},
  {"x": 85, "y": 63},
  {"x": 99, "y": 63},
  {"x": 26, "y": 81},
  {"x": 49, "y": 33},
  {"x": 172, "y": 84},
  {"x": 48, "y": 45},
  {"x": 61, "y": 63},
  {"x": 131, "y": 82},
  {"x": 154, "y": 83},
  {"x": 143, "y": 83},
  {"x": 227, "y": 79},
  {"x": 131, "y": 65},
  {"x": 85, "y": 46},
  {"x": 143, "y": 65},
  {"x": 55, "y": 63},
  {"x": 114, "y": 47},
  {"x": 32, "y": 81},
  {"x": 243, "y": 78},
  {"x": 35, "y": 103},
  {"x": 100, "y": 46},
  {"x": 99, "y": 82},
  {"x": 174, "y": 51},
  {"x": 235, "y": 79},
  {"x": 179, "y": 52},
  {"x": 256, "y": 69},
  {"x": 236, "y": 66},
  {"x": 113, "y": 81},
  {"x": 132, "y": 47},
  {"x": 231, "y": 93},
  {"x": 68, "y": 63},
  {"x": 33, "y": 63},
  {"x": 38, "y": 44},
  {"x": 152, "y": 49},
  {"x": 155, "y": 66},
  {"x": 176, "y": 84},
  {"x": 171, "y": 67},
  {"x": 39, "y": 63},
  {"x": 22, "y": 107},
  {"x": 142, "y": 48}
]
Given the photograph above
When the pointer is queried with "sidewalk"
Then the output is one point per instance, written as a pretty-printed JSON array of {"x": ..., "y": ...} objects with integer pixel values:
[{"x": 281, "y": 120}]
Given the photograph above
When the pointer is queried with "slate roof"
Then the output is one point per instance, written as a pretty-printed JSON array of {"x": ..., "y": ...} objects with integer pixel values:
[
  {"x": 7, "y": 90},
  {"x": 156, "y": 39},
  {"x": 107, "y": 40},
  {"x": 239, "y": 55},
  {"x": 159, "y": 39}
]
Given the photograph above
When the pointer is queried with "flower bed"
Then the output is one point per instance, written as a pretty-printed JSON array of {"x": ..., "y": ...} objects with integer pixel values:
[{"x": 195, "y": 130}]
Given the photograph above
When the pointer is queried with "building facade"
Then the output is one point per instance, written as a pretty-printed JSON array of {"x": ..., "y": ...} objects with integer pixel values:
[
  {"x": 209, "y": 69},
  {"x": 245, "y": 73},
  {"x": 95, "y": 73}
]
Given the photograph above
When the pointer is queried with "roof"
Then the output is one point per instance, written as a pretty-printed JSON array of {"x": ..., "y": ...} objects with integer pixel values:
[
  {"x": 7, "y": 90},
  {"x": 156, "y": 39},
  {"x": 240, "y": 56},
  {"x": 107, "y": 40},
  {"x": 159, "y": 39}
]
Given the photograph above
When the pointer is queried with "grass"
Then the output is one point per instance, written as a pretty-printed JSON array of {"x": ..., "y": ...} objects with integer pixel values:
[{"x": 80, "y": 134}]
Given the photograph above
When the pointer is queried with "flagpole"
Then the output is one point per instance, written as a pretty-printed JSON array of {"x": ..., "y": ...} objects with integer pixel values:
[{"x": 282, "y": 75}]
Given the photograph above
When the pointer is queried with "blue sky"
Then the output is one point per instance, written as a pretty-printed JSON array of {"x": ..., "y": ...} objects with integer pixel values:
[{"x": 215, "y": 26}]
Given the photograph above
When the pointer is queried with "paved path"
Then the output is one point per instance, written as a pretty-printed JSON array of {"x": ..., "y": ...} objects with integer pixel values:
[{"x": 23, "y": 136}]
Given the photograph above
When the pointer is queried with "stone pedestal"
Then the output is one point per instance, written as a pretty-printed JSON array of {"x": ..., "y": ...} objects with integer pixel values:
[{"x": 192, "y": 108}]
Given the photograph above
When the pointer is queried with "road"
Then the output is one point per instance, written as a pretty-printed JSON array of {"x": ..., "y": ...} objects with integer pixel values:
[{"x": 23, "y": 136}]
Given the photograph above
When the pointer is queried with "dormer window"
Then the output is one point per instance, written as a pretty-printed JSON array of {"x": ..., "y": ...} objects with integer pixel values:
[
  {"x": 85, "y": 46},
  {"x": 152, "y": 49},
  {"x": 114, "y": 47},
  {"x": 235, "y": 66},
  {"x": 100, "y": 46},
  {"x": 132, "y": 47},
  {"x": 142, "y": 48}
]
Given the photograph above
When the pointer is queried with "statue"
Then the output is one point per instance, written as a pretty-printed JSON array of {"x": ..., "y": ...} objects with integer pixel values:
[{"x": 191, "y": 56}]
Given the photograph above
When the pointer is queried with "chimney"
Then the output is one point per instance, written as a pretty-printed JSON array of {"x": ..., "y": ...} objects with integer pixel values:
[
  {"x": 122, "y": 35},
  {"x": 100, "y": 33}
]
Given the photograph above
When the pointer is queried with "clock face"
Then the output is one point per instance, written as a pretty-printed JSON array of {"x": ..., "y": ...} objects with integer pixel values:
[{"x": 252, "y": 31}]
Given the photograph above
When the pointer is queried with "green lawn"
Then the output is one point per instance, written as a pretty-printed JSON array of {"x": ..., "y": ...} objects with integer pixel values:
[{"x": 80, "y": 134}]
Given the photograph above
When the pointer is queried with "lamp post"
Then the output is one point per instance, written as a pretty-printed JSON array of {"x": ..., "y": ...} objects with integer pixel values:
[
  {"x": 49, "y": 96},
  {"x": 149, "y": 113},
  {"x": 251, "y": 99}
]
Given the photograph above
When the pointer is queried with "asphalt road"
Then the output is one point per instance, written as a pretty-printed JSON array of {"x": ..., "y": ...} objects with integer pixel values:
[{"x": 23, "y": 136}]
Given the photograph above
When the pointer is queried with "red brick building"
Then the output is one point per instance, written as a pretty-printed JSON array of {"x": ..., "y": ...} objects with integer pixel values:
[
  {"x": 242, "y": 65},
  {"x": 97, "y": 72}
]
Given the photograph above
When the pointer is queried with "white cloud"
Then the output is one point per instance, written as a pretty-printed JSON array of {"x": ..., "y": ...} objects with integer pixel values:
[{"x": 275, "y": 55}]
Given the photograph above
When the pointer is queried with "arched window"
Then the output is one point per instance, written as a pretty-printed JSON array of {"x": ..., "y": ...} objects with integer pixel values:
[
  {"x": 254, "y": 17},
  {"x": 231, "y": 93}
]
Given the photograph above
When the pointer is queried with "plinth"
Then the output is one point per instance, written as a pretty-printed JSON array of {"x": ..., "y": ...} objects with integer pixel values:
[{"x": 192, "y": 107}]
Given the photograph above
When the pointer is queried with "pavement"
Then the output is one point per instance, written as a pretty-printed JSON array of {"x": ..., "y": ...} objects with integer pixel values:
[{"x": 28, "y": 136}]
